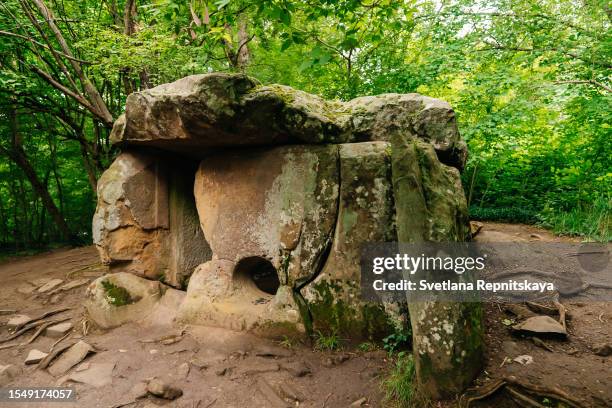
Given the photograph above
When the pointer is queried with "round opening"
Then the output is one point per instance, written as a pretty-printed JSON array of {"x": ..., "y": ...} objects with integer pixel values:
[{"x": 258, "y": 272}]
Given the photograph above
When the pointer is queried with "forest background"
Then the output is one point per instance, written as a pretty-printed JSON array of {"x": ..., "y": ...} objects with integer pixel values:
[{"x": 529, "y": 81}]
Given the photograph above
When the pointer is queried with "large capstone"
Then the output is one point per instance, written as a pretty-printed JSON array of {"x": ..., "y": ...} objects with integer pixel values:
[{"x": 202, "y": 112}]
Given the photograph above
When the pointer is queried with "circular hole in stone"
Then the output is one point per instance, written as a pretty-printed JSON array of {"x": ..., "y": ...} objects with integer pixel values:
[{"x": 258, "y": 272}]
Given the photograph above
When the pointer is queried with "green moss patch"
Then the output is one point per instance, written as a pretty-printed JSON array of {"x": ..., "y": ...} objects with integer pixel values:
[{"x": 117, "y": 295}]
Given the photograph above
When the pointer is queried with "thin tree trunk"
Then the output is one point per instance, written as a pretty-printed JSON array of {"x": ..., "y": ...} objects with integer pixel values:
[
  {"x": 19, "y": 157},
  {"x": 92, "y": 93}
]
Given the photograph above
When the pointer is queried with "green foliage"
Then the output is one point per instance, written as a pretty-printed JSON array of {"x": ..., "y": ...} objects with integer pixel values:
[
  {"x": 117, "y": 295},
  {"x": 287, "y": 342},
  {"x": 399, "y": 386},
  {"x": 508, "y": 214},
  {"x": 367, "y": 346},
  {"x": 530, "y": 83},
  {"x": 329, "y": 342},
  {"x": 594, "y": 222},
  {"x": 399, "y": 340}
]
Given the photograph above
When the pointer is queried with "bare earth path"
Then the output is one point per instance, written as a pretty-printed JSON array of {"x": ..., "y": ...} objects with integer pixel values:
[
  {"x": 221, "y": 368},
  {"x": 213, "y": 367}
]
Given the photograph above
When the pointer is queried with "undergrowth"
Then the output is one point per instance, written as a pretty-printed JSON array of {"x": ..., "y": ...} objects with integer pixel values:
[
  {"x": 399, "y": 386},
  {"x": 593, "y": 222},
  {"x": 329, "y": 341}
]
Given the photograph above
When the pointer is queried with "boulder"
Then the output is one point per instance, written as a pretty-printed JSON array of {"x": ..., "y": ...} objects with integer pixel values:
[
  {"x": 118, "y": 298},
  {"x": 286, "y": 198},
  {"x": 201, "y": 112}
]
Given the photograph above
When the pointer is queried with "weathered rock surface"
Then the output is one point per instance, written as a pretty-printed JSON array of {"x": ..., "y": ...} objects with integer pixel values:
[
  {"x": 34, "y": 357},
  {"x": 145, "y": 222},
  {"x": 58, "y": 330},
  {"x": 164, "y": 390},
  {"x": 288, "y": 189},
  {"x": 286, "y": 199},
  {"x": 365, "y": 214},
  {"x": 70, "y": 358},
  {"x": 118, "y": 298},
  {"x": 430, "y": 206},
  {"x": 96, "y": 374},
  {"x": 200, "y": 112}
]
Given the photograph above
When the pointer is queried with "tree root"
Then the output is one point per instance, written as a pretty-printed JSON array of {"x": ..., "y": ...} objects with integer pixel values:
[
  {"x": 522, "y": 399},
  {"x": 42, "y": 316},
  {"x": 44, "y": 363},
  {"x": 548, "y": 392},
  {"x": 43, "y": 327},
  {"x": 22, "y": 330}
]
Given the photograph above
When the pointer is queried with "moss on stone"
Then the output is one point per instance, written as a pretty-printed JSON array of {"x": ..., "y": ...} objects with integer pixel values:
[
  {"x": 117, "y": 295},
  {"x": 332, "y": 314}
]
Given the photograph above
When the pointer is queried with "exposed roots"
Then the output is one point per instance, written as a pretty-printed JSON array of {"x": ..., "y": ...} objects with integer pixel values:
[{"x": 513, "y": 385}]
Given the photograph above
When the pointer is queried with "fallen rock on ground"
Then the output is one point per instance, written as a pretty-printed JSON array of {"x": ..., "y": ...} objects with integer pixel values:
[
  {"x": 18, "y": 320},
  {"x": 70, "y": 358},
  {"x": 541, "y": 325},
  {"x": 50, "y": 285},
  {"x": 603, "y": 350},
  {"x": 35, "y": 356},
  {"x": 163, "y": 390},
  {"x": 360, "y": 402},
  {"x": 58, "y": 330},
  {"x": 524, "y": 359}
]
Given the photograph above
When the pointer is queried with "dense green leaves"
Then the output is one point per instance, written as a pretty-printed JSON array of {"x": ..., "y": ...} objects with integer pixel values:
[{"x": 530, "y": 82}]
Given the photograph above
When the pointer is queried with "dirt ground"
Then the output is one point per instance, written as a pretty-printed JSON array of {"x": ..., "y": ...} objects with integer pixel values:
[
  {"x": 220, "y": 368},
  {"x": 566, "y": 364}
]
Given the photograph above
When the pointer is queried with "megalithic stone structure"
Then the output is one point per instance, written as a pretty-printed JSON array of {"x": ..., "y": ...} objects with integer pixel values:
[{"x": 256, "y": 200}]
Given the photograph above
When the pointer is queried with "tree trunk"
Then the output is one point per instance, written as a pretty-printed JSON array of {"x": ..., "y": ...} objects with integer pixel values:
[{"x": 19, "y": 157}]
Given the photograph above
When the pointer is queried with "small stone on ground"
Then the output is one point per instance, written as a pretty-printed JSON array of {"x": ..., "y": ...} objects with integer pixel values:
[
  {"x": 34, "y": 357},
  {"x": 163, "y": 390},
  {"x": 58, "y": 330},
  {"x": 18, "y": 320},
  {"x": 50, "y": 285}
]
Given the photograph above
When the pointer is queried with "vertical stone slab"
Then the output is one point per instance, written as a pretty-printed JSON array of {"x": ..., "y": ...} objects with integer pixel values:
[
  {"x": 146, "y": 222},
  {"x": 187, "y": 246},
  {"x": 430, "y": 206},
  {"x": 365, "y": 214},
  {"x": 131, "y": 219}
]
